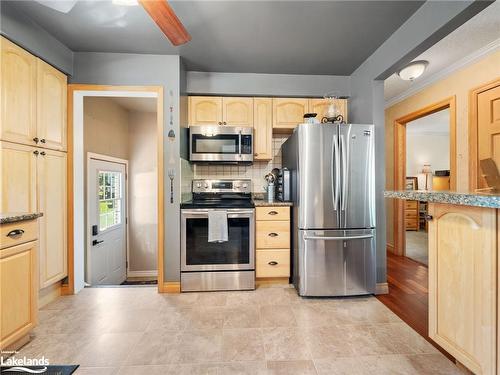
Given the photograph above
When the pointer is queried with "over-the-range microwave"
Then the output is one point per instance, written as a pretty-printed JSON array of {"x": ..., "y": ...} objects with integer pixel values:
[{"x": 221, "y": 144}]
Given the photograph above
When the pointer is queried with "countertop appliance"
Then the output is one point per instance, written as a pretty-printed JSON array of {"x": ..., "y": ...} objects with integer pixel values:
[
  {"x": 229, "y": 265},
  {"x": 221, "y": 144},
  {"x": 332, "y": 178}
]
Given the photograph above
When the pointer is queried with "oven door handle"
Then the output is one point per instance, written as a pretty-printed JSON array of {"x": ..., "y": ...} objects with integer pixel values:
[{"x": 205, "y": 212}]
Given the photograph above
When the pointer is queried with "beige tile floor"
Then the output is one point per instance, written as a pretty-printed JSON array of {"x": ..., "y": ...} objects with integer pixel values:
[{"x": 118, "y": 331}]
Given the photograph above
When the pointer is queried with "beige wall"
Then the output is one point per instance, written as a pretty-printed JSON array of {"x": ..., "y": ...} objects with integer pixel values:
[
  {"x": 143, "y": 196},
  {"x": 458, "y": 84}
]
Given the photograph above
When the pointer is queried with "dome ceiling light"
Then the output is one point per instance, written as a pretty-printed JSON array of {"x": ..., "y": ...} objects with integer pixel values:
[{"x": 413, "y": 70}]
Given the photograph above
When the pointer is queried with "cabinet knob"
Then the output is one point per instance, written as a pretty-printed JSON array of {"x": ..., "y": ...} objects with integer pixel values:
[
  {"x": 220, "y": 123},
  {"x": 36, "y": 152},
  {"x": 256, "y": 154},
  {"x": 35, "y": 140},
  {"x": 43, "y": 153},
  {"x": 42, "y": 140},
  {"x": 273, "y": 234},
  {"x": 429, "y": 217},
  {"x": 273, "y": 263},
  {"x": 225, "y": 123}
]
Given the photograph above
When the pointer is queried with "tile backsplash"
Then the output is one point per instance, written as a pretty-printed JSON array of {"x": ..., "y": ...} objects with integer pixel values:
[{"x": 255, "y": 172}]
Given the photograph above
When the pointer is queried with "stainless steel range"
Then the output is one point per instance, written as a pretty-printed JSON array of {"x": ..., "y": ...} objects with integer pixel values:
[{"x": 226, "y": 265}]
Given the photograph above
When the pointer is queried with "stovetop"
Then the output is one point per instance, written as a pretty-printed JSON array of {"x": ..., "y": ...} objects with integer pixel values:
[{"x": 218, "y": 203}]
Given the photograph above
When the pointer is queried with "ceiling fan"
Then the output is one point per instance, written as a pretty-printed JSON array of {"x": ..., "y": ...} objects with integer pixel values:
[{"x": 159, "y": 10}]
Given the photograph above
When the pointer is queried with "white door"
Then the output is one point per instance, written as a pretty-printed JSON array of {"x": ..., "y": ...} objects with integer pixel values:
[{"x": 107, "y": 245}]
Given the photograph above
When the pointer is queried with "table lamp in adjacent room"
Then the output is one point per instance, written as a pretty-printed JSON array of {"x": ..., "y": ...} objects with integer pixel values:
[{"x": 425, "y": 178}]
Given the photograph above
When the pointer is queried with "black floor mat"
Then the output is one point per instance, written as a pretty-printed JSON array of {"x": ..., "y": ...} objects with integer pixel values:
[{"x": 140, "y": 282}]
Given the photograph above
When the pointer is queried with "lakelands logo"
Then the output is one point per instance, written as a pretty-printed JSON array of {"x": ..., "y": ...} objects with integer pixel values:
[{"x": 21, "y": 364}]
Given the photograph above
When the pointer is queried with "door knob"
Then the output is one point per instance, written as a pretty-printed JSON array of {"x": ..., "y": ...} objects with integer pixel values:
[
  {"x": 96, "y": 242},
  {"x": 35, "y": 139}
]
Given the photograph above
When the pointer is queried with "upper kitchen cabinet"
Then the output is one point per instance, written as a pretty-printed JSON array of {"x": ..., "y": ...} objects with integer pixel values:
[
  {"x": 205, "y": 110},
  {"x": 18, "y": 90},
  {"x": 237, "y": 111},
  {"x": 289, "y": 112},
  {"x": 263, "y": 128},
  {"x": 51, "y": 107},
  {"x": 320, "y": 106}
]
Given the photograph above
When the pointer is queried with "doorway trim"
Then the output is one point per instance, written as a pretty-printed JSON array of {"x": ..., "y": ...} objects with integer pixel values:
[
  {"x": 110, "y": 159},
  {"x": 400, "y": 162},
  {"x": 473, "y": 130},
  {"x": 76, "y": 230}
]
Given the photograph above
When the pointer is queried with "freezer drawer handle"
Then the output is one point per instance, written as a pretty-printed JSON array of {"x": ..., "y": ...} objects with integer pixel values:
[
  {"x": 273, "y": 234},
  {"x": 273, "y": 263},
  {"x": 338, "y": 238}
]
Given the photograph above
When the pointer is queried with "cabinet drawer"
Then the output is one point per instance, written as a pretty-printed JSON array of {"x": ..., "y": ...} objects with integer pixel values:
[
  {"x": 273, "y": 235},
  {"x": 273, "y": 263},
  {"x": 411, "y": 204},
  {"x": 27, "y": 231},
  {"x": 272, "y": 213}
]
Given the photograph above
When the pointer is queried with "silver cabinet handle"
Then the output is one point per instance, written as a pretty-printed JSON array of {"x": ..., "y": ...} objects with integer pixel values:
[
  {"x": 364, "y": 236},
  {"x": 15, "y": 233},
  {"x": 272, "y": 234},
  {"x": 273, "y": 263}
]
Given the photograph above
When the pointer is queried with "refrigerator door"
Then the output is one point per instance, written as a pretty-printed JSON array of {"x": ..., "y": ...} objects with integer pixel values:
[
  {"x": 318, "y": 176},
  {"x": 358, "y": 176},
  {"x": 336, "y": 262}
]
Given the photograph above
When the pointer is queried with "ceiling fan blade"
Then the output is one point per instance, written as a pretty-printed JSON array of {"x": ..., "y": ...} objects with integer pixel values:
[{"x": 166, "y": 19}]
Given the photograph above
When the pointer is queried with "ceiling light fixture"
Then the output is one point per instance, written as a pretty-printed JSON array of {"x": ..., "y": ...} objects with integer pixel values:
[
  {"x": 413, "y": 70},
  {"x": 126, "y": 3}
]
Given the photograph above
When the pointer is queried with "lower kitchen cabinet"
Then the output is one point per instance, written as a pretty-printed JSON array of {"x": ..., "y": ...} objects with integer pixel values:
[
  {"x": 18, "y": 286},
  {"x": 272, "y": 238},
  {"x": 463, "y": 247}
]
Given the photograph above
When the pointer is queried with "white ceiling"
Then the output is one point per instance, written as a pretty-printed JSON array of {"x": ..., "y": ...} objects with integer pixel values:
[
  {"x": 476, "y": 34},
  {"x": 137, "y": 104},
  {"x": 437, "y": 123}
]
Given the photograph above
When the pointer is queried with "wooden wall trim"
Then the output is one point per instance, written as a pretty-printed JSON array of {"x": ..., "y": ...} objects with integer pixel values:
[
  {"x": 400, "y": 162},
  {"x": 473, "y": 131},
  {"x": 68, "y": 286}
]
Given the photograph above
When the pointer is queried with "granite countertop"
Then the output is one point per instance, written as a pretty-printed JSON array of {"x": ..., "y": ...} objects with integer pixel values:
[
  {"x": 465, "y": 198},
  {"x": 13, "y": 217},
  {"x": 265, "y": 203}
]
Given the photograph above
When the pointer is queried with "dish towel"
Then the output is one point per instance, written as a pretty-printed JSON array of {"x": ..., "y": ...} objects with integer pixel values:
[{"x": 217, "y": 226}]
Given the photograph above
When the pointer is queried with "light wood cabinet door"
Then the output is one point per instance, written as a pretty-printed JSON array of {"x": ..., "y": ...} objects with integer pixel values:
[
  {"x": 18, "y": 93},
  {"x": 463, "y": 284},
  {"x": 263, "y": 128},
  {"x": 18, "y": 183},
  {"x": 289, "y": 112},
  {"x": 237, "y": 111},
  {"x": 205, "y": 110},
  {"x": 52, "y": 202},
  {"x": 18, "y": 293},
  {"x": 51, "y": 107},
  {"x": 320, "y": 106}
]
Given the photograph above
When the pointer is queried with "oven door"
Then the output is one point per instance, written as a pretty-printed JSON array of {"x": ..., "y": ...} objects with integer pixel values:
[
  {"x": 215, "y": 143},
  {"x": 197, "y": 254}
]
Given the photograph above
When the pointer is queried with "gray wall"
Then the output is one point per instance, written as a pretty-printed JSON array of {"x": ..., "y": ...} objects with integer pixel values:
[
  {"x": 23, "y": 31},
  {"x": 155, "y": 70},
  {"x": 253, "y": 84}
]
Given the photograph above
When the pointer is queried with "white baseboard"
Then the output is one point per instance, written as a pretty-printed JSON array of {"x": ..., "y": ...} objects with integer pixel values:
[
  {"x": 153, "y": 273},
  {"x": 382, "y": 288}
]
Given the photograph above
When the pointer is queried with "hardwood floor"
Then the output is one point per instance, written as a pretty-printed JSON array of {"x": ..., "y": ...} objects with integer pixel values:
[{"x": 408, "y": 294}]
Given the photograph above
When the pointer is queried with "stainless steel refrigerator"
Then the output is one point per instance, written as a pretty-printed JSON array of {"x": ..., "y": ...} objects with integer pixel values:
[{"x": 332, "y": 172}]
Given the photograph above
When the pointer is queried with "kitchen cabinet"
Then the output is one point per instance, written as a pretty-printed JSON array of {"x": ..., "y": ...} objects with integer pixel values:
[
  {"x": 272, "y": 238},
  {"x": 463, "y": 284},
  {"x": 263, "y": 128},
  {"x": 320, "y": 106},
  {"x": 205, "y": 110},
  {"x": 51, "y": 195},
  {"x": 18, "y": 182},
  {"x": 18, "y": 92},
  {"x": 289, "y": 112},
  {"x": 412, "y": 215},
  {"x": 237, "y": 111},
  {"x": 18, "y": 285},
  {"x": 51, "y": 107},
  {"x": 33, "y": 108}
]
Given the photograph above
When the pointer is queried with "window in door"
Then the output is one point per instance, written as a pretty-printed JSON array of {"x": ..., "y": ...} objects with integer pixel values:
[{"x": 110, "y": 199}]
